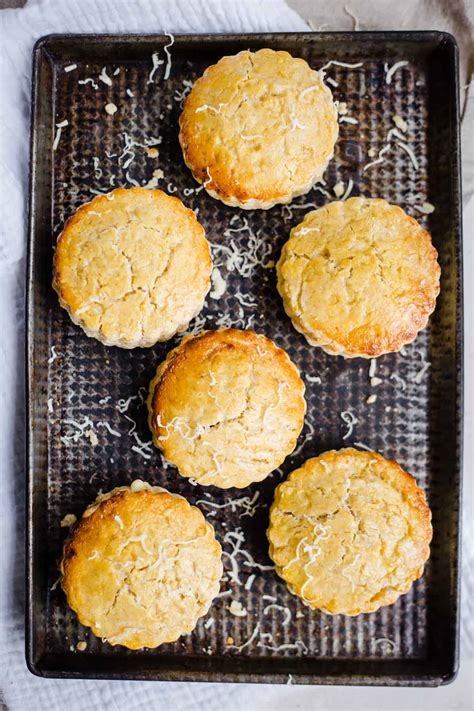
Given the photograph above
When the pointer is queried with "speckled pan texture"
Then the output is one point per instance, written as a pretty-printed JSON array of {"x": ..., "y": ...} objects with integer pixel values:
[{"x": 88, "y": 419}]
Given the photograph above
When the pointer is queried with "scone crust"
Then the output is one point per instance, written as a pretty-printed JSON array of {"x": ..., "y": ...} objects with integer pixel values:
[
  {"x": 258, "y": 128},
  {"x": 132, "y": 267},
  {"x": 141, "y": 567},
  {"x": 349, "y": 531},
  {"x": 226, "y": 407},
  {"x": 359, "y": 278}
]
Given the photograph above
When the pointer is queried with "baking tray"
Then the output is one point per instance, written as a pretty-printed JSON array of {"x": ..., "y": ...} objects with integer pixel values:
[{"x": 416, "y": 418}]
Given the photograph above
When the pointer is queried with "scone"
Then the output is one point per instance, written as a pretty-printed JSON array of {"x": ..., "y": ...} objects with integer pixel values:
[
  {"x": 141, "y": 566},
  {"x": 226, "y": 407},
  {"x": 132, "y": 267},
  {"x": 359, "y": 278},
  {"x": 349, "y": 532},
  {"x": 258, "y": 128}
]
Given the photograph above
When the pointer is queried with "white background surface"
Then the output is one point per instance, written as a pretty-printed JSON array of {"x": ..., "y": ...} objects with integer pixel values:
[{"x": 18, "y": 31}]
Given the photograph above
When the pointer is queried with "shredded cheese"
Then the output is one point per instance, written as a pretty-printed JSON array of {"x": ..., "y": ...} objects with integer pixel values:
[
  {"x": 400, "y": 123},
  {"x": 348, "y": 119},
  {"x": 247, "y": 504},
  {"x": 342, "y": 64},
  {"x": 350, "y": 420},
  {"x": 398, "y": 381},
  {"x": 249, "y": 582},
  {"x": 89, "y": 80},
  {"x": 250, "y": 639},
  {"x": 426, "y": 208},
  {"x": 155, "y": 64},
  {"x": 155, "y": 179},
  {"x": 68, "y": 520},
  {"x": 168, "y": 56},
  {"x": 419, "y": 376},
  {"x": 70, "y": 68},
  {"x": 313, "y": 378},
  {"x": 236, "y": 608},
  {"x": 219, "y": 284},
  {"x": 104, "y": 77},
  {"x": 53, "y": 356},
  {"x": 409, "y": 151},
  {"x": 390, "y": 71},
  {"x": 355, "y": 20},
  {"x": 361, "y": 445},
  {"x": 285, "y": 610},
  {"x": 59, "y": 127}
]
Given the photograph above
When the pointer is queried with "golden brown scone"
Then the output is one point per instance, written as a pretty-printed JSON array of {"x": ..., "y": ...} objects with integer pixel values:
[
  {"x": 359, "y": 278},
  {"x": 258, "y": 128},
  {"x": 349, "y": 531},
  {"x": 132, "y": 267},
  {"x": 226, "y": 407},
  {"x": 141, "y": 566}
]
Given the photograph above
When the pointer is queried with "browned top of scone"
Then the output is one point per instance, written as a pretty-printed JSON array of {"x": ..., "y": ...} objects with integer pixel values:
[
  {"x": 141, "y": 567},
  {"x": 227, "y": 407},
  {"x": 132, "y": 267},
  {"x": 359, "y": 277},
  {"x": 258, "y": 128},
  {"x": 349, "y": 531}
]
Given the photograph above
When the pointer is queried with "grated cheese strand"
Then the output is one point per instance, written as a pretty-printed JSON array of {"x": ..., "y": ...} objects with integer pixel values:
[
  {"x": 390, "y": 71},
  {"x": 350, "y": 420},
  {"x": 168, "y": 55}
]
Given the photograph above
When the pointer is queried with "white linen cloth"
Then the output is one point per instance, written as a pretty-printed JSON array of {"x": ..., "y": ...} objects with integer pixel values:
[{"x": 19, "y": 689}]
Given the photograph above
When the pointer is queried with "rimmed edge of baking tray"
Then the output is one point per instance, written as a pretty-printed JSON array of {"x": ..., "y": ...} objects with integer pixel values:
[{"x": 330, "y": 672}]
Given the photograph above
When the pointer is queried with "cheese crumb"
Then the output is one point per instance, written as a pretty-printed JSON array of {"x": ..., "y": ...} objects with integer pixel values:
[
  {"x": 338, "y": 189},
  {"x": 400, "y": 123},
  {"x": 230, "y": 640},
  {"x": 153, "y": 182},
  {"x": 92, "y": 437},
  {"x": 235, "y": 608},
  {"x": 81, "y": 646},
  {"x": 68, "y": 520},
  {"x": 375, "y": 381},
  {"x": 152, "y": 152},
  {"x": 371, "y": 399},
  {"x": 426, "y": 208},
  {"x": 342, "y": 108},
  {"x": 218, "y": 284},
  {"x": 371, "y": 152},
  {"x": 110, "y": 109}
]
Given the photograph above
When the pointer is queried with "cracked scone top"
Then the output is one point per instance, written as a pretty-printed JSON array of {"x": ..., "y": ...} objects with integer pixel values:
[
  {"x": 141, "y": 566},
  {"x": 349, "y": 531},
  {"x": 226, "y": 407},
  {"x": 359, "y": 278},
  {"x": 132, "y": 267},
  {"x": 258, "y": 128}
]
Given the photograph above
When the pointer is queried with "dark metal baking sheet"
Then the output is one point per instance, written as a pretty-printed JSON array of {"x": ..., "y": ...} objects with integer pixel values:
[{"x": 416, "y": 420}]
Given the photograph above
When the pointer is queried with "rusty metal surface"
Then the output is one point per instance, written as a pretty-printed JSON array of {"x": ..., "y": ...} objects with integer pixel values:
[{"x": 76, "y": 383}]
